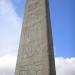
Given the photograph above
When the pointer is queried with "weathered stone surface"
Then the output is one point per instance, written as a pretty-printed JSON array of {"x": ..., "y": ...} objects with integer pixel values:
[{"x": 36, "y": 43}]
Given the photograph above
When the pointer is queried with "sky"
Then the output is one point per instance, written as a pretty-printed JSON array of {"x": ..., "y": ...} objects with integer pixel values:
[
  {"x": 63, "y": 24},
  {"x": 62, "y": 21}
]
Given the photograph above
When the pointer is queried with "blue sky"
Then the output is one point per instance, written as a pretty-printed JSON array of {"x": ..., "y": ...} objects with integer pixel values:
[
  {"x": 62, "y": 21},
  {"x": 62, "y": 18},
  {"x": 20, "y": 5},
  {"x": 63, "y": 24}
]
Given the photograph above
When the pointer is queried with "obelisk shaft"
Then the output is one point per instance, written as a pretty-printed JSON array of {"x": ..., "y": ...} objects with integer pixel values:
[{"x": 36, "y": 56}]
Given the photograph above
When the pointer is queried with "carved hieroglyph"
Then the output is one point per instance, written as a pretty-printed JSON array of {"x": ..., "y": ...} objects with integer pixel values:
[{"x": 33, "y": 56}]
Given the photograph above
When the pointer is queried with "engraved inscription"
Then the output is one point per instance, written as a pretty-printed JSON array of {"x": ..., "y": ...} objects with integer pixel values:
[
  {"x": 30, "y": 72},
  {"x": 33, "y": 40},
  {"x": 33, "y": 69},
  {"x": 34, "y": 5},
  {"x": 23, "y": 73}
]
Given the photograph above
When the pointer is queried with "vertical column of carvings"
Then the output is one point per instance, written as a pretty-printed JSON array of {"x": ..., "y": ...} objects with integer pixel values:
[{"x": 31, "y": 42}]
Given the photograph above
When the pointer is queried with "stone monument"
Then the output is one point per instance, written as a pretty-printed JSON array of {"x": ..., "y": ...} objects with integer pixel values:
[{"x": 36, "y": 56}]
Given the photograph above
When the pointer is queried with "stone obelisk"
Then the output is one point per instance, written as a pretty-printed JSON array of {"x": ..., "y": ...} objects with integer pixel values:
[{"x": 36, "y": 55}]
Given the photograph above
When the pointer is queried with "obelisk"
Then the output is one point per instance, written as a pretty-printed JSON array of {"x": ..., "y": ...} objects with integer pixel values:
[{"x": 36, "y": 55}]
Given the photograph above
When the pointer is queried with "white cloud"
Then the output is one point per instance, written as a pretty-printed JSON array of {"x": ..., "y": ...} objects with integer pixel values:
[
  {"x": 7, "y": 65},
  {"x": 7, "y": 61},
  {"x": 65, "y": 66},
  {"x": 10, "y": 26}
]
